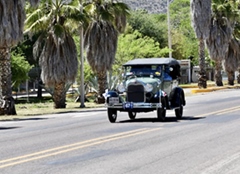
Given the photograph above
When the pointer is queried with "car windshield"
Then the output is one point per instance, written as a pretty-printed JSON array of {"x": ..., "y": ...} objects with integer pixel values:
[{"x": 144, "y": 70}]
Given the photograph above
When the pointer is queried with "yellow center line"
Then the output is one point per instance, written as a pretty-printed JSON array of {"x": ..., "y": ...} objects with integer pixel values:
[
  {"x": 69, "y": 145},
  {"x": 219, "y": 111},
  {"x": 228, "y": 111},
  {"x": 68, "y": 148}
]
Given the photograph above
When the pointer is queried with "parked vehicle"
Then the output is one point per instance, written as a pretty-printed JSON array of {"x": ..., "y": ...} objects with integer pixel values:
[{"x": 148, "y": 84}]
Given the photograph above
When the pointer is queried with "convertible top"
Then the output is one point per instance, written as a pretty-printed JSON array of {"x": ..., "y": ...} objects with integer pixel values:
[{"x": 153, "y": 61}]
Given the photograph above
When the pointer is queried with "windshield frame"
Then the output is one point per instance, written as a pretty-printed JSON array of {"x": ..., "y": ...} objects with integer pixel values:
[{"x": 155, "y": 71}]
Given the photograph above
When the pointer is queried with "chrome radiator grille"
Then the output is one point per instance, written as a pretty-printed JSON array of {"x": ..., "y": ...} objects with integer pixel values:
[{"x": 135, "y": 93}]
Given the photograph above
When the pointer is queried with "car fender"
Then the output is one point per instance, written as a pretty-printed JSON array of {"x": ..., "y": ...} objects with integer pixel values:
[
  {"x": 112, "y": 94},
  {"x": 174, "y": 97},
  {"x": 161, "y": 95}
]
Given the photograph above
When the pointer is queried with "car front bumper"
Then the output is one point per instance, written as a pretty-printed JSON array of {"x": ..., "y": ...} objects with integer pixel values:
[{"x": 131, "y": 105}]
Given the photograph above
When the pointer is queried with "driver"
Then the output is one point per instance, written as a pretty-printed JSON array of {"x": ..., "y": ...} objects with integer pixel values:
[{"x": 158, "y": 71}]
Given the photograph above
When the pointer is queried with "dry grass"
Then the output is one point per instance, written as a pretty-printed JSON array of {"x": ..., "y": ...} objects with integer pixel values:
[
  {"x": 25, "y": 109},
  {"x": 47, "y": 108}
]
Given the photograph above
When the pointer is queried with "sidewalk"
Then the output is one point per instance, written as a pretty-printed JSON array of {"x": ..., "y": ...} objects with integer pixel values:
[{"x": 193, "y": 88}]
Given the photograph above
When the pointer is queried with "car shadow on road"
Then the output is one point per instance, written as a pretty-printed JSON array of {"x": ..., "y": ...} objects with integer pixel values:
[
  {"x": 167, "y": 120},
  {"x": 27, "y": 119},
  {"x": 6, "y": 128}
]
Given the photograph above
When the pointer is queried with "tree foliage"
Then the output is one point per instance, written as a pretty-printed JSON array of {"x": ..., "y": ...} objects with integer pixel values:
[
  {"x": 151, "y": 25},
  {"x": 20, "y": 68},
  {"x": 184, "y": 42},
  {"x": 132, "y": 45}
]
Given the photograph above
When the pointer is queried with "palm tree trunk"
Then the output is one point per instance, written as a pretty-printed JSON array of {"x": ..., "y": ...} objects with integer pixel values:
[
  {"x": 231, "y": 77},
  {"x": 39, "y": 91},
  {"x": 8, "y": 106},
  {"x": 102, "y": 86},
  {"x": 218, "y": 73},
  {"x": 238, "y": 77},
  {"x": 59, "y": 95},
  {"x": 202, "y": 79}
]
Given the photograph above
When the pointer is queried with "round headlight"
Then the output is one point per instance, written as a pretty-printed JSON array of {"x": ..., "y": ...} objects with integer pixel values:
[
  {"x": 121, "y": 88},
  {"x": 148, "y": 87}
]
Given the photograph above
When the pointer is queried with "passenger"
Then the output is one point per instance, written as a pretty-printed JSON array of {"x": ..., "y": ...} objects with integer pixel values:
[{"x": 166, "y": 74}]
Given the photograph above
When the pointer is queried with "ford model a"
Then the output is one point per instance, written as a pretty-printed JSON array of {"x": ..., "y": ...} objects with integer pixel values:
[{"x": 148, "y": 84}]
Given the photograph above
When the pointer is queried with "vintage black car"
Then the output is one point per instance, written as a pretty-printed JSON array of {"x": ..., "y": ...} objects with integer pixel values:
[{"x": 148, "y": 84}]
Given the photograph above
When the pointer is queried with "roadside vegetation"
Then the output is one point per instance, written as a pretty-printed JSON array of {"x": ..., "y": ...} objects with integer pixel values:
[{"x": 32, "y": 106}]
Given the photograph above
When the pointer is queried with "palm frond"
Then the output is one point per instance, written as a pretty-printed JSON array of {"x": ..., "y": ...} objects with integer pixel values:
[
  {"x": 201, "y": 16},
  {"x": 232, "y": 59},
  {"x": 39, "y": 25},
  {"x": 101, "y": 44},
  {"x": 12, "y": 17},
  {"x": 59, "y": 31},
  {"x": 62, "y": 55},
  {"x": 121, "y": 12},
  {"x": 218, "y": 41},
  {"x": 38, "y": 46}
]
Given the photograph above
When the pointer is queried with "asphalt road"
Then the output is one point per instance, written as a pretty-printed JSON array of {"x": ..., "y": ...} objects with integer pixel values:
[{"x": 205, "y": 141}]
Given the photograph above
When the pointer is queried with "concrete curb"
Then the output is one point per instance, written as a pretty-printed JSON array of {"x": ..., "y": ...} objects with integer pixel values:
[{"x": 211, "y": 89}]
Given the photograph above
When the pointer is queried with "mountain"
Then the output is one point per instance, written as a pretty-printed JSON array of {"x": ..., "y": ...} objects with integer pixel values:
[{"x": 152, "y": 6}]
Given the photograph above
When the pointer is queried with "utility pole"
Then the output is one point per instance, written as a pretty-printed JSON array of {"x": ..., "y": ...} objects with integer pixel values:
[
  {"x": 169, "y": 30},
  {"x": 82, "y": 91}
]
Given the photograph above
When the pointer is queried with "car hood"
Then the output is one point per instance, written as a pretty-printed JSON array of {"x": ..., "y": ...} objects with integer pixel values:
[{"x": 146, "y": 80}]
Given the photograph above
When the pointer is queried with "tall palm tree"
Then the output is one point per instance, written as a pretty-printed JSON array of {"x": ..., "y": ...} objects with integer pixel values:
[
  {"x": 55, "y": 47},
  {"x": 238, "y": 76},
  {"x": 224, "y": 14},
  {"x": 218, "y": 49},
  {"x": 101, "y": 37},
  {"x": 201, "y": 16},
  {"x": 237, "y": 33},
  {"x": 231, "y": 61},
  {"x": 12, "y": 17}
]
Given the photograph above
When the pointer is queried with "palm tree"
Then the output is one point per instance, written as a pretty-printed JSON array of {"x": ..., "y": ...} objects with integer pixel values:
[
  {"x": 55, "y": 47},
  {"x": 201, "y": 15},
  {"x": 231, "y": 61},
  {"x": 101, "y": 37},
  {"x": 221, "y": 30},
  {"x": 12, "y": 17},
  {"x": 238, "y": 76},
  {"x": 218, "y": 49}
]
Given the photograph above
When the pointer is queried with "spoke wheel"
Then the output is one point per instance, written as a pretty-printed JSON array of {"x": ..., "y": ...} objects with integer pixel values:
[
  {"x": 132, "y": 115},
  {"x": 112, "y": 115}
]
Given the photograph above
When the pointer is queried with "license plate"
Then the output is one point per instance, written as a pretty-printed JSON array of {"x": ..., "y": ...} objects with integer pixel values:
[
  {"x": 113, "y": 100},
  {"x": 128, "y": 105}
]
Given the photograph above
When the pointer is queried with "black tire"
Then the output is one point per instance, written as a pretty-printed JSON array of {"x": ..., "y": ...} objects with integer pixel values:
[
  {"x": 161, "y": 112},
  {"x": 179, "y": 111},
  {"x": 132, "y": 115},
  {"x": 112, "y": 115}
]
